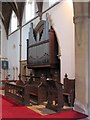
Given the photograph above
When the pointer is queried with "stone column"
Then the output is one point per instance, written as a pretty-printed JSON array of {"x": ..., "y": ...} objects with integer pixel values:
[{"x": 82, "y": 56}]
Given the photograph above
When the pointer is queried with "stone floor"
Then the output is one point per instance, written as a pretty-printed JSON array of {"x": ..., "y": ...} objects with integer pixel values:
[{"x": 43, "y": 110}]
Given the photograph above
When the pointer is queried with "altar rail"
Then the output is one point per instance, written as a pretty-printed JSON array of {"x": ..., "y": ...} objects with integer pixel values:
[{"x": 17, "y": 92}]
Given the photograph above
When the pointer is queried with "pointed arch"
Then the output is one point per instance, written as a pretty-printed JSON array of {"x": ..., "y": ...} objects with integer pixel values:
[
  {"x": 29, "y": 10},
  {"x": 13, "y": 22}
]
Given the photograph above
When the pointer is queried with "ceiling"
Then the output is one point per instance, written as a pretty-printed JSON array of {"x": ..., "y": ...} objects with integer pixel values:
[{"x": 18, "y": 7}]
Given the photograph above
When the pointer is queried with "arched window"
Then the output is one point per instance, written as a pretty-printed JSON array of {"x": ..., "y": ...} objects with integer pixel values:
[
  {"x": 13, "y": 24},
  {"x": 30, "y": 10},
  {"x": 52, "y": 2}
]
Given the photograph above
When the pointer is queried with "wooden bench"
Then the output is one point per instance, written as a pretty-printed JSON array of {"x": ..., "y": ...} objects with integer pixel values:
[
  {"x": 69, "y": 90},
  {"x": 2, "y": 82},
  {"x": 17, "y": 92},
  {"x": 55, "y": 95},
  {"x": 60, "y": 93},
  {"x": 37, "y": 90},
  {"x": 34, "y": 91}
]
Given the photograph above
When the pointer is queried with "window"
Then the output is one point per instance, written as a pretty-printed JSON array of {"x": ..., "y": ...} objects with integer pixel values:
[
  {"x": 51, "y": 2},
  {"x": 30, "y": 10},
  {"x": 13, "y": 24}
]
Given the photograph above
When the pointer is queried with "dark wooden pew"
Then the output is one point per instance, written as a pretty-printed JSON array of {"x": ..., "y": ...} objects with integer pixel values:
[
  {"x": 17, "y": 92},
  {"x": 37, "y": 90},
  {"x": 60, "y": 93},
  {"x": 3, "y": 82},
  {"x": 69, "y": 90},
  {"x": 55, "y": 95},
  {"x": 33, "y": 91}
]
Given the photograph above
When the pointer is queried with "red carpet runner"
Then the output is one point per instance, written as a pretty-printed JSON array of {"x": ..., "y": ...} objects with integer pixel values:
[{"x": 11, "y": 110}]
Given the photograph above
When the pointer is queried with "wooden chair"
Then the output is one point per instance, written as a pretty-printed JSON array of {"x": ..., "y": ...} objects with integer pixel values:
[{"x": 69, "y": 90}]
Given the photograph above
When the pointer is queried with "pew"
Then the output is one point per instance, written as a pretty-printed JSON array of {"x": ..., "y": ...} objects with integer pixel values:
[
  {"x": 3, "y": 82},
  {"x": 69, "y": 90},
  {"x": 37, "y": 90},
  {"x": 55, "y": 95},
  {"x": 58, "y": 93},
  {"x": 33, "y": 91},
  {"x": 17, "y": 92}
]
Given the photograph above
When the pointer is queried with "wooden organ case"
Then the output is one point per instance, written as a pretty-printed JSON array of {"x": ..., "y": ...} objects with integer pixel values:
[{"x": 42, "y": 58}]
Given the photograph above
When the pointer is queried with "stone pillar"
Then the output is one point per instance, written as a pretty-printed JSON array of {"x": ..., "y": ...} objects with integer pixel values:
[{"x": 82, "y": 56}]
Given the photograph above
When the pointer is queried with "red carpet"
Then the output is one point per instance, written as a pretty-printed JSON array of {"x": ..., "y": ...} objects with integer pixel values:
[
  {"x": 2, "y": 88},
  {"x": 11, "y": 110}
]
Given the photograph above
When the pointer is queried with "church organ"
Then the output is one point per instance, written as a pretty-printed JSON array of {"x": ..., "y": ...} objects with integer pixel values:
[
  {"x": 42, "y": 46},
  {"x": 44, "y": 80},
  {"x": 42, "y": 51}
]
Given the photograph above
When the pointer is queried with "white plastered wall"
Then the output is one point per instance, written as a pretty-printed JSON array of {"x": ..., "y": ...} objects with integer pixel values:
[
  {"x": 4, "y": 50},
  {"x": 13, "y": 53},
  {"x": 62, "y": 21}
]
